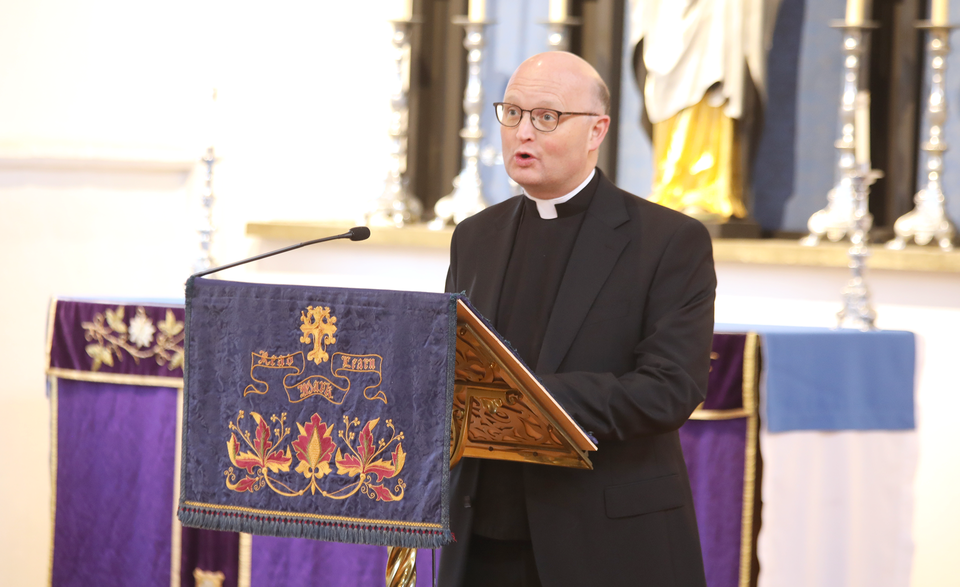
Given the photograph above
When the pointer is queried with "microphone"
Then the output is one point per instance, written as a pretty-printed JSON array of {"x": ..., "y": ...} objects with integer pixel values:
[{"x": 357, "y": 233}]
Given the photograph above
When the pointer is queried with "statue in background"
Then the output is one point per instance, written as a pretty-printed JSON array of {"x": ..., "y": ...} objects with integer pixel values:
[{"x": 701, "y": 65}]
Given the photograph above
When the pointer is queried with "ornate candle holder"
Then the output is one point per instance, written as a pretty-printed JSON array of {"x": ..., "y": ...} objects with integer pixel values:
[
  {"x": 395, "y": 206},
  {"x": 558, "y": 38},
  {"x": 928, "y": 221},
  {"x": 467, "y": 196},
  {"x": 836, "y": 219},
  {"x": 205, "y": 228},
  {"x": 857, "y": 311}
]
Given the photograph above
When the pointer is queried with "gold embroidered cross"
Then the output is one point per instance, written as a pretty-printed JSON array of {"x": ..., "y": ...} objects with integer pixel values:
[{"x": 319, "y": 324}]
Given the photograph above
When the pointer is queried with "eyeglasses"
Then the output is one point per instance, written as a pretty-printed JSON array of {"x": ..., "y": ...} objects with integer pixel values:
[{"x": 542, "y": 119}]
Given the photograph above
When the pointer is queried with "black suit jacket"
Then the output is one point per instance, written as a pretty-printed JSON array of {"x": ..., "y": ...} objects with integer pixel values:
[{"x": 626, "y": 352}]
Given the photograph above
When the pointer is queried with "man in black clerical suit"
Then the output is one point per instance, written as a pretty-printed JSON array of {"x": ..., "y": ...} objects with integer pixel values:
[{"x": 609, "y": 298}]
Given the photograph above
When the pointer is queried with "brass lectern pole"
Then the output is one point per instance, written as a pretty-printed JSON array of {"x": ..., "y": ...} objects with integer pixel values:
[{"x": 401, "y": 566}]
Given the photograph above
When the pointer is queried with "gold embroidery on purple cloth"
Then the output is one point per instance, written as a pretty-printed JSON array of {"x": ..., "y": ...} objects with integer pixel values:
[
  {"x": 318, "y": 325},
  {"x": 267, "y": 458},
  {"x": 112, "y": 338},
  {"x": 316, "y": 385},
  {"x": 321, "y": 325}
]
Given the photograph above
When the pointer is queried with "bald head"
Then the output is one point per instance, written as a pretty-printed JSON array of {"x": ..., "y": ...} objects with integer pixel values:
[
  {"x": 570, "y": 68},
  {"x": 564, "y": 94}
]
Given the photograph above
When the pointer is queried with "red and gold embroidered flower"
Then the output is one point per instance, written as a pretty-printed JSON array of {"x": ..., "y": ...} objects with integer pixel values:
[
  {"x": 373, "y": 472},
  {"x": 264, "y": 457},
  {"x": 314, "y": 448}
]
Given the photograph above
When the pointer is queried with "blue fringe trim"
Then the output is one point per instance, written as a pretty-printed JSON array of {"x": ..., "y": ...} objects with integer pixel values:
[{"x": 330, "y": 531}]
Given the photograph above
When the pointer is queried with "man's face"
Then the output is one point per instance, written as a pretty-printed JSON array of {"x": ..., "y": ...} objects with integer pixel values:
[{"x": 551, "y": 164}]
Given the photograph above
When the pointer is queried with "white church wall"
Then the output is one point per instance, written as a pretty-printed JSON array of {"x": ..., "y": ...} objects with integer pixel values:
[{"x": 105, "y": 111}]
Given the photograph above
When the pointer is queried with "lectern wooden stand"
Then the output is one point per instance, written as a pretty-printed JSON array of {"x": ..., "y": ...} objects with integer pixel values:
[{"x": 500, "y": 411}]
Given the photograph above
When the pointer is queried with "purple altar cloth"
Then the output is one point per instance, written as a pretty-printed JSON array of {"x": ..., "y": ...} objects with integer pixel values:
[
  {"x": 297, "y": 561},
  {"x": 114, "y": 493},
  {"x": 136, "y": 339},
  {"x": 714, "y": 452}
]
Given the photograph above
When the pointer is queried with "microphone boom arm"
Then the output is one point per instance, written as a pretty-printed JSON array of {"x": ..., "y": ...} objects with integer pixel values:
[{"x": 357, "y": 233}]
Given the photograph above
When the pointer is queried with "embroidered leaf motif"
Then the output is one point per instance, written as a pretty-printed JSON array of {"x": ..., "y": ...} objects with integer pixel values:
[
  {"x": 269, "y": 453},
  {"x": 170, "y": 325},
  {"x": 136, "y": 340},
  {"x": 384, "y": 470},
  {"x": 245, "y": 484},
  {"x": 367, "y": 448},
  {"x": 399, "y": 458},
  {"x": 279, "y": 461},
  {"x": 244, "y": 460},
  {"x": 348, "y": 465},
  {"x": 273, "y": 460},
  {"x": 383, "y": 494},
  {"x": 314, "y": 447},
  {"x": 115, "y": 320},
  {"x": 100, "y": 355}
]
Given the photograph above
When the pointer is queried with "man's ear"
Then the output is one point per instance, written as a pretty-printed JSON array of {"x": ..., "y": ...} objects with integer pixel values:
[{"x": 598, "y": 131}]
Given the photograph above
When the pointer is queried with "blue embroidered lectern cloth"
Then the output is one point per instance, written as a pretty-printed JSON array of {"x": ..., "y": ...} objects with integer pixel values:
[{"x": 318, "y": 412}]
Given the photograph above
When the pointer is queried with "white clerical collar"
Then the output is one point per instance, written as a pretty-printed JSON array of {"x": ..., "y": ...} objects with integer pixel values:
[{"x": 548, "y": 208}]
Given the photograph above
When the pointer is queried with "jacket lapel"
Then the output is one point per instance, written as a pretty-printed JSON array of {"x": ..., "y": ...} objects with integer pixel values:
[
  {"x": 497, "y": 245},
  {"x": 594, "y": 255}
]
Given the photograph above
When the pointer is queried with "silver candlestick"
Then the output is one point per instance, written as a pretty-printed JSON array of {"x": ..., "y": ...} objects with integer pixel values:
[
  {"x": 857, "y": 311},
  {"x": 395, "y": 206},
  {"x": 928, "y": 221},
  {"x": 835, "y": 220},
  {"x": 206, "y": 230},
  {"x": 558, "y": 38},
  {"x": 467, "y": 196}
]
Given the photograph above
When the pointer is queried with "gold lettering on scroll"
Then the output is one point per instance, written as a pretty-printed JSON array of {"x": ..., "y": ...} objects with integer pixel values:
[{"x": 318, "y": 325}]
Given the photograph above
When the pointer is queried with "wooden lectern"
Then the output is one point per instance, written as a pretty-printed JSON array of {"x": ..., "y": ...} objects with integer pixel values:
[{"x": 500, "y": 411}]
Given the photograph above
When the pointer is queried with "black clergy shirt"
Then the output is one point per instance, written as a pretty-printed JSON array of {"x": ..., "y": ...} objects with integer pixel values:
[{"x": 538, "y": 260}]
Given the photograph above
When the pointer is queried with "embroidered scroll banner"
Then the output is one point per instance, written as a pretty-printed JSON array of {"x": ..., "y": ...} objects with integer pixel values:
[{"x": 318, "y": 413}]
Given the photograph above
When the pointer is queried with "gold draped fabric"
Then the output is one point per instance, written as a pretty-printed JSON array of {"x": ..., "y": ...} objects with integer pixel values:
[{"x": 697, "y": 163}]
